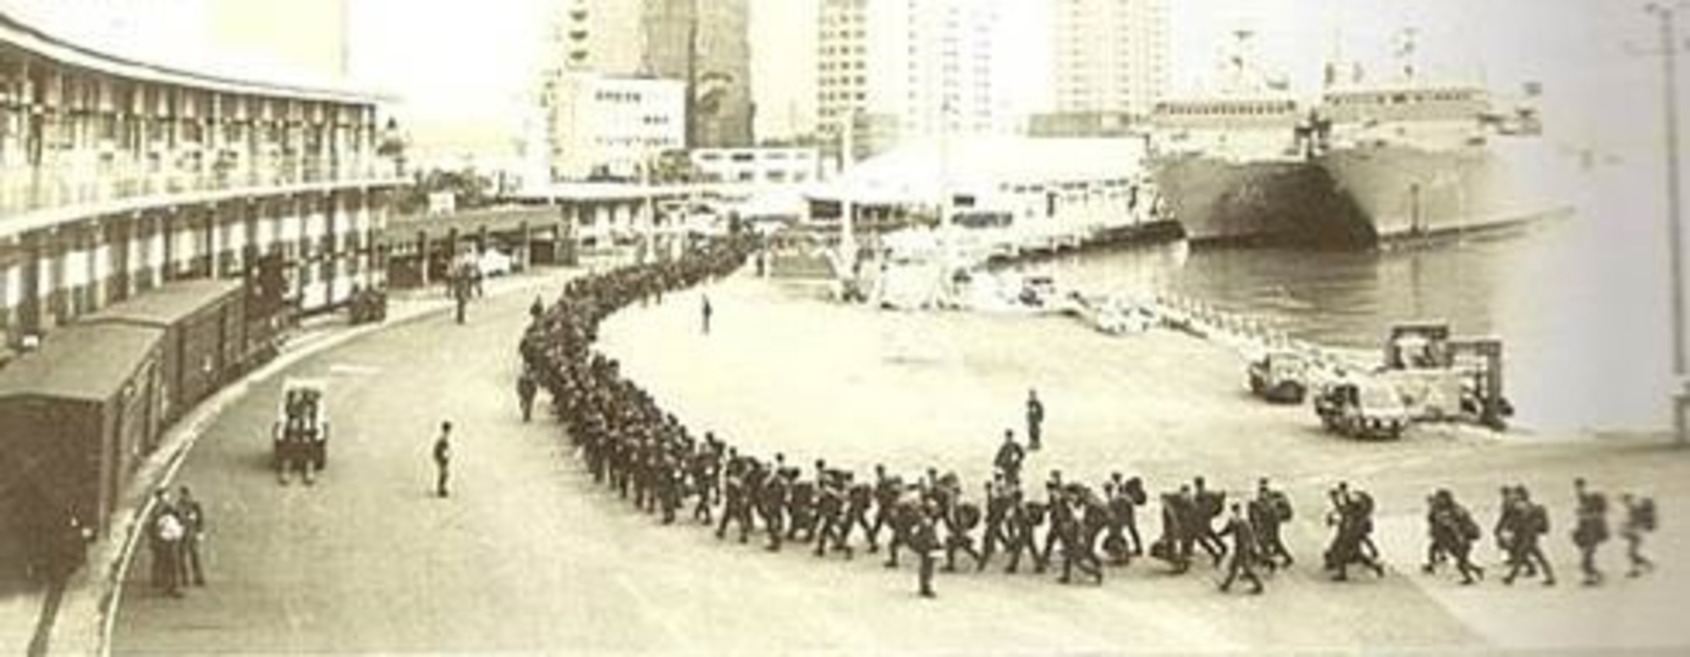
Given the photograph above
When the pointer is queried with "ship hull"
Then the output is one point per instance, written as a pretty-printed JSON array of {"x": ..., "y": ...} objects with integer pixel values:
[
  {"x": 1366, "y": 197},
  {"x": 1406, "y": 194},
  {"x": 1256, "y": 203}
]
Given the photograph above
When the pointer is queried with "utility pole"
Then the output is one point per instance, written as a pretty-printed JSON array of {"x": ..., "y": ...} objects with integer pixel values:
[
  {"x": 1675, "y": 231},
  {"x": 691, "y": 106}
]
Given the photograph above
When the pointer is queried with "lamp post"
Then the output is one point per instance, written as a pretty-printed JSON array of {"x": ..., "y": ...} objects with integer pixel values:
[{"x": 1675, "y": 232}]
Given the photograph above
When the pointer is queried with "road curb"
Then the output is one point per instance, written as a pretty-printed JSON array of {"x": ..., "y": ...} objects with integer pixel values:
[{"x": 86, "y": 618}]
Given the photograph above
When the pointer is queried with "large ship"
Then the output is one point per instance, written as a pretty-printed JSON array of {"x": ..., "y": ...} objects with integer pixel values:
[{"x": 1366, "y": 165}]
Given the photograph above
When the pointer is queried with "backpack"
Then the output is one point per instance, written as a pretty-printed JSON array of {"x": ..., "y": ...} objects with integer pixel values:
[
  {"x": 1646, "y": 514},
  {"x": 1281, "y": 506},
  {"x": 1464, "y": 522},
  {"x": 1538, "y": 519}
]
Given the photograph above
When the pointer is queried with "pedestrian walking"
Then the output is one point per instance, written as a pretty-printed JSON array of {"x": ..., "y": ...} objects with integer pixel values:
[
  {"x": 1035, "y": 420},
  {"x": 193, "y": 533},
  {"x": 1639, "y": 520},
  {"x": 443, "y": 459},
  {"x": 705, "y": 311}
]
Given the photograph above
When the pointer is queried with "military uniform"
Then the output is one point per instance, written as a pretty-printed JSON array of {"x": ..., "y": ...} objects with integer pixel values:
[{"x": 1243, "y": 553}]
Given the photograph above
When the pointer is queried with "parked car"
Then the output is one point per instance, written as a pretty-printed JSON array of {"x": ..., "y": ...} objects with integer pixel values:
[
  {"x": 1362, "y": 409},
  {"x": 1280, "y": 376},
  {"x": 494, "y": 262}
]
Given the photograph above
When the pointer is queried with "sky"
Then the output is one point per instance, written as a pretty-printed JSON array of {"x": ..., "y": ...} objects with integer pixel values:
[
  {"x": 458, "y": 59},
  {"x": 465, "y": 70}
]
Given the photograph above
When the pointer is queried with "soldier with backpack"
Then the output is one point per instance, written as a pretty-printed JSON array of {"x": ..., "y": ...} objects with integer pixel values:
[
  {"x": 1591, "y": 531},
  {"x": 1531, "y": 522},
  {"x": 1267, "y": 514},
  {"x": 1453, "y": 532},
  {"x": 1639, "y": 520}
]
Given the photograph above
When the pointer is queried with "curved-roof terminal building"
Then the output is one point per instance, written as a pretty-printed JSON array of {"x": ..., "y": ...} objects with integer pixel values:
[{"x": 117, "y": 176}]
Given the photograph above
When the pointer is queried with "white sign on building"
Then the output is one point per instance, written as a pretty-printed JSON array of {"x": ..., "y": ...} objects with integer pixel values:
[{"x": 610, "y": 127}]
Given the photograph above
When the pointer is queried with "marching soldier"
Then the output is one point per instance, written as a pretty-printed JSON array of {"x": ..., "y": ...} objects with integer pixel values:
[
  {"x": 1453, "y": 532},
  {"x": 858, "y": 498},
  {"x": 1591, "y": 531},
  {"x": 1531, "y": 523},
  {"x": 1025, "y": 518},
  {"x": 1076, "y": 550},
  {"x": 1208, "y": 506},
  {"x": 1354, "y": 520},
  {"x": 733, "y": 497},
  {"x": 1267, "y": 513},
  {"x": 886, "y": 492},
  {"x": 1243, "y": 552},
  {"x": 1639, "y": 520},
  {"x": 831, "y": 522},
  {"x": 774, "y": 497},
  {"x": 959, "y": 534},
  {"x": 998, "y": 504}
]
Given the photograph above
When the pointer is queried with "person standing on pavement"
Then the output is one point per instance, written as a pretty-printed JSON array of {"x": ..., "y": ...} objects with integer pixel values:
[
  {"x": 163, "y": 553},
  {"x": 1035, "y": 419},
  {"x": 443, "y": 459},
  {"x": 1009, "y": 459},
  {"x": 167, "y": 531},
  {"x": 705, "y": 311},
  {"x": 193, "y": 532}
]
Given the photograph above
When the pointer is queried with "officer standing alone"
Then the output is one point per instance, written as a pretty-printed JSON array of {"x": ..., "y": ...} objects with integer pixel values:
[
  {"x": 1035, "y": 420},
  {"x": 443, "y": 459},
  {"x": 705, "y": 312}
]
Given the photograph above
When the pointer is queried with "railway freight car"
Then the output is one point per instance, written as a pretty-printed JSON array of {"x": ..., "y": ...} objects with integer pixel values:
[
  {"x": 205, "y": 336},
  {"x": 76, "y": 417}
]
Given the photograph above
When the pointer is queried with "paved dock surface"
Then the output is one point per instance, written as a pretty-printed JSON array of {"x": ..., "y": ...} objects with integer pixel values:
[{"x": 528, "y": 556}]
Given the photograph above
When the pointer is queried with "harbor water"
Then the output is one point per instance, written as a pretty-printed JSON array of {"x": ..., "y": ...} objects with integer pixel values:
[{"x": 1580, "y": 302}]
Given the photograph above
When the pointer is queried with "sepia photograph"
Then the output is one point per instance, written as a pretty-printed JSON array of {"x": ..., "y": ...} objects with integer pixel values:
[{"x": 843, "y": 327}]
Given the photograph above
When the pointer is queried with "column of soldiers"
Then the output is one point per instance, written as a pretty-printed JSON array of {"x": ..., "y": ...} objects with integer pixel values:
[{"x": 647, "y": 457}]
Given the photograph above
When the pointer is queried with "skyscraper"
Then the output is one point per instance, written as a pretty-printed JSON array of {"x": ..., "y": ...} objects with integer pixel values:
[
  {"x": 896, "y": 70},
  {"x": 1111, "y": 59},
  {"x": 702, "y": 42}
]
